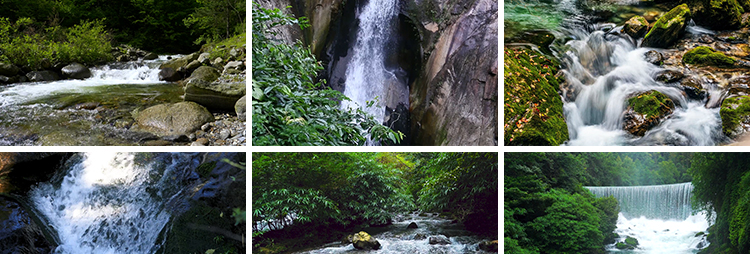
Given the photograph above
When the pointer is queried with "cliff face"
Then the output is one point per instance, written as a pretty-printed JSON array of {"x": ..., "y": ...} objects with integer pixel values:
[
  {"x": 319, "y": 13},
  {"x": 454, "y": 100}
]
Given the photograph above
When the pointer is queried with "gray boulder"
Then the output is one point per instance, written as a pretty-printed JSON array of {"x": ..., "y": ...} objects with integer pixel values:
[
  {"x": 39, "y": 76},
  {"x": 240, "y": 107},
  {"x": 169, "y": 74},
  {"x": 439, "y": 239},
  {"x": 76, "y": 71},
  {"x": 9, "y": 70},
  {"x": 176, "y": 119},
  {"x": 150, "y": 56},
  {"x": 179, "y": 62},
  {"x": 204, "y": 58},
  {"x": 234, "y": 67}
]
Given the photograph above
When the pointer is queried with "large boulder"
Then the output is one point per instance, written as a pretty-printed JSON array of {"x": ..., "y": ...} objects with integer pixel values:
[
  {"x": 40, "y": 76},
  {"x": 9, "y": 70},
  {"x": 203, "y": 89},
  {"x": 645, "y": 111},
  {"x": 176, "y": 63},
  {"x": 636, "y": 27},
  {"x": 717, "y": 14},
  {"x": 240, "y": 107},
  {"x": 363, "y": 241},
  {"x": 668, "y": 28},
  {"x": 76, "y": 71},
  {"x": 439, "y": 239},
  {"x": 176, "y": 119},
  {"x": 707, "y": 56},
  {"x": 169, "y": 74},
  {"x": 735, "y": 116}
]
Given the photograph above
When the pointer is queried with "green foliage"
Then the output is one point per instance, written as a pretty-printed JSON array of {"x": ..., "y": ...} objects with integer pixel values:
[
  {"x": 289, "y": 106},
  {"x": 217, "y": 20},
  {"x": 704, "y": 55},
  {"x": 22, "y": 43},
  {"x": 570, "y": 224}
]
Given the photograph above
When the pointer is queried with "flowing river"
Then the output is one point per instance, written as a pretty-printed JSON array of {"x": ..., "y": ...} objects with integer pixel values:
[
  {"x": 659, "y": 216},
  {"x": 397, "y": 238},
  {"x": 94, "y": 111}
]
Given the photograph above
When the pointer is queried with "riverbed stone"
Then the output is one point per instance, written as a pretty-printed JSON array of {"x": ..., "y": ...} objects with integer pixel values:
[
  {"x": 654, "y": 57},
  {"x": 150, "y": 56},
  {"x": 412, "y": 225},
  {"x": 7, "y": 69},
  {"x": 192, "y": 66},
  {"x": 693, "y": 87},
  {"x": 76, "y": 71},
  {"x": 169, "y": 74},
  {"x": 204, "y": 58},
  {"x": 439, "y": 239},
  {"x": 172, "y": 119},
  {"x": 646, "y": 110},
  {"x": 668, "y": 28},
  {"x": 176, "y": 63},
  {"x": 40, "y": 76},
  {"x": 363, "y": 241},
  {"x": 669, "y": 76},
  {"x": 636, "y": 27},
  {"x": 222, "y": 95},
  {"x": 234, "y": 67}
]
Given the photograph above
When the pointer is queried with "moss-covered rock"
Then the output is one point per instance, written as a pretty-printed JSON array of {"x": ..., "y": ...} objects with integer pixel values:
[
  {"x": 704, "y": 55},
  {"x": 645, "y": 111},
  {"x": 533, "y": 108},
  {"x": 668, "y": 28},
  {"x": 717, "y": 14},
  {"x": 631, "y": 241},
  {"x": 636, "y": 26},
  {"x": 735, "y": 112}
]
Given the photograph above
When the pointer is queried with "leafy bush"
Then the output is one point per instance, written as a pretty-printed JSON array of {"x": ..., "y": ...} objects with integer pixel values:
[
  {"x": 289, "y": 106},
  {"x": 217, "y": 19},
  {"x": 22, "y": 44}
]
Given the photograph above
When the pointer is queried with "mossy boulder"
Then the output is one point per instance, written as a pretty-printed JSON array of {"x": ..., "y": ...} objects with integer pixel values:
[
  {"x": 631, "y": 241},
  {"x": 363, "y": 241},
  {"x": 668, "y": 28},
  {"x": 645, "y": 111},
  {"x": 636, "y": 27},
  {"x": 735, "y": 115},
  {"x": 533, "y": 107},
  {"x": 718, "y": 14},
  {"x": 704, "y": 55}
]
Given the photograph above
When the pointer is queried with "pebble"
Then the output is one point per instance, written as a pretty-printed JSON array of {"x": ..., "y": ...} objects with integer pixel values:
[{"x": 227, "y": 130}]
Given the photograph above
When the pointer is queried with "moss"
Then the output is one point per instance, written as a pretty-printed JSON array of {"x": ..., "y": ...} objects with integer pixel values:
[
  {"x": 631, "y": 241},
  {"x": 204, "y": 170},
  {"x": 704, "y": 55},
  {"x": 621, "y": 245},
  {"x": 651, "y": 104},
  {"x": 676, "y": 14},
  {"x": 733, "y": 111},
  {"x": 533, "y": 107}
]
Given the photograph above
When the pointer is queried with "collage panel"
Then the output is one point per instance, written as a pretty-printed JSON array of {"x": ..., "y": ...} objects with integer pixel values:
[
  {"x": 375, "y": 72},
  {"x": 108, "y": 202},
  {"x": 612, "y": 202},
  {"x": 375, "y": 202},
  {"x": 625, "y": 73},
  {"x": 123, "y": 73}
]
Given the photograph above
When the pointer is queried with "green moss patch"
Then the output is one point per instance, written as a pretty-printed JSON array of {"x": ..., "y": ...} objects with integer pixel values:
[
  {"x": 651, "y": 104},
  {"x": 533, "y": 108},
  {"x": 673, "y": 22},
  {"x": 704, "y": 55},
  {"x": 733, "y": 111}
]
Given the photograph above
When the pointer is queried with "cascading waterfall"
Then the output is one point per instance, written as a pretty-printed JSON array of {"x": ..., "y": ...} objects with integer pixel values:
[
  {"x": 367, "y": 76},
  {"x": 606, "y": 69},
  {"x": 659, "y": 216},
  {"x": 109, "y": 203}
]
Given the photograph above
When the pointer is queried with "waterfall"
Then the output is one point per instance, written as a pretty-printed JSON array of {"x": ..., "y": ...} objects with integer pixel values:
[
  {"x": 659, "y": 216},
  {"x": 112, "y": 203},
  {"x": 670, "y": 201},
  {"x": 367, "y": 76}
]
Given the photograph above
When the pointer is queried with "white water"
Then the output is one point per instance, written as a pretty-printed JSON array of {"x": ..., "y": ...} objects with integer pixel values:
[
  {"x": 659, "y": 217},
  {"x": 137, "y": 73},
  {"x": 398, "y": 239},
  {"x": 108, "y": 203},
  {"x": 607, "y": 69},
  {"x": 367, "y": 77}
]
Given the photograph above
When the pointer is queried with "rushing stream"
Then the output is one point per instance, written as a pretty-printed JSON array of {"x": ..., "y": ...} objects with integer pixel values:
[
  {"x": 112, "y": 203},
  {"x": 94, "y": 111},
  {"x": 397, "y": 238},
  {"x": 659, "y": 216}
]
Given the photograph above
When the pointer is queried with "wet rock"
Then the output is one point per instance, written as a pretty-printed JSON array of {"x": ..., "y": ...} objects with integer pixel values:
[
  {"x": 717, "y": 14},
  {"x": 364, "y": 241},
  {"x": 439, "y": 239},
  {"x": 240, "y": 108},
  {"x": 735, "y": 116},
  {"x": 169, "y": 74},
  {"x": 76, "y": 71},
  {"x": 150, "y": 56},
  {"x": 412, "y": 225},
  {"x": 203, "y": 74},
  {"x": 732, "y": 37},
  {"x": 420, "y": 236},
  {"x": 41, "y": 76},
  {"x": 636, "y": 27},
  {"x": 172, "y": 119},
  {"x": 190, "y": 67},
  {"x": 9, "y": 70},
  {"x": 669, "y": 76},
  {"x": 179, "y": 62},
  {"x": 645, "y": 111},
  {"x": 654, "y": 57},
  {"x": 214, "y": 95},
  {"x": 668, "y": 28},
  {"x": 693, "y": 88},
  {"x": 707, "y": 56},
  {"x": 19, "y": 233},
  {"x": 705, "y": 38},
  {"x": 489, "y": 246}
]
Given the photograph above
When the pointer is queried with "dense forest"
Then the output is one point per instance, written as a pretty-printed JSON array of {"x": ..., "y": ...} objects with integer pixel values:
[
  {"x": 292, "y": 107},
  {"x": 306, "y": 199},
  {"x": 547, "y": 210}
]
